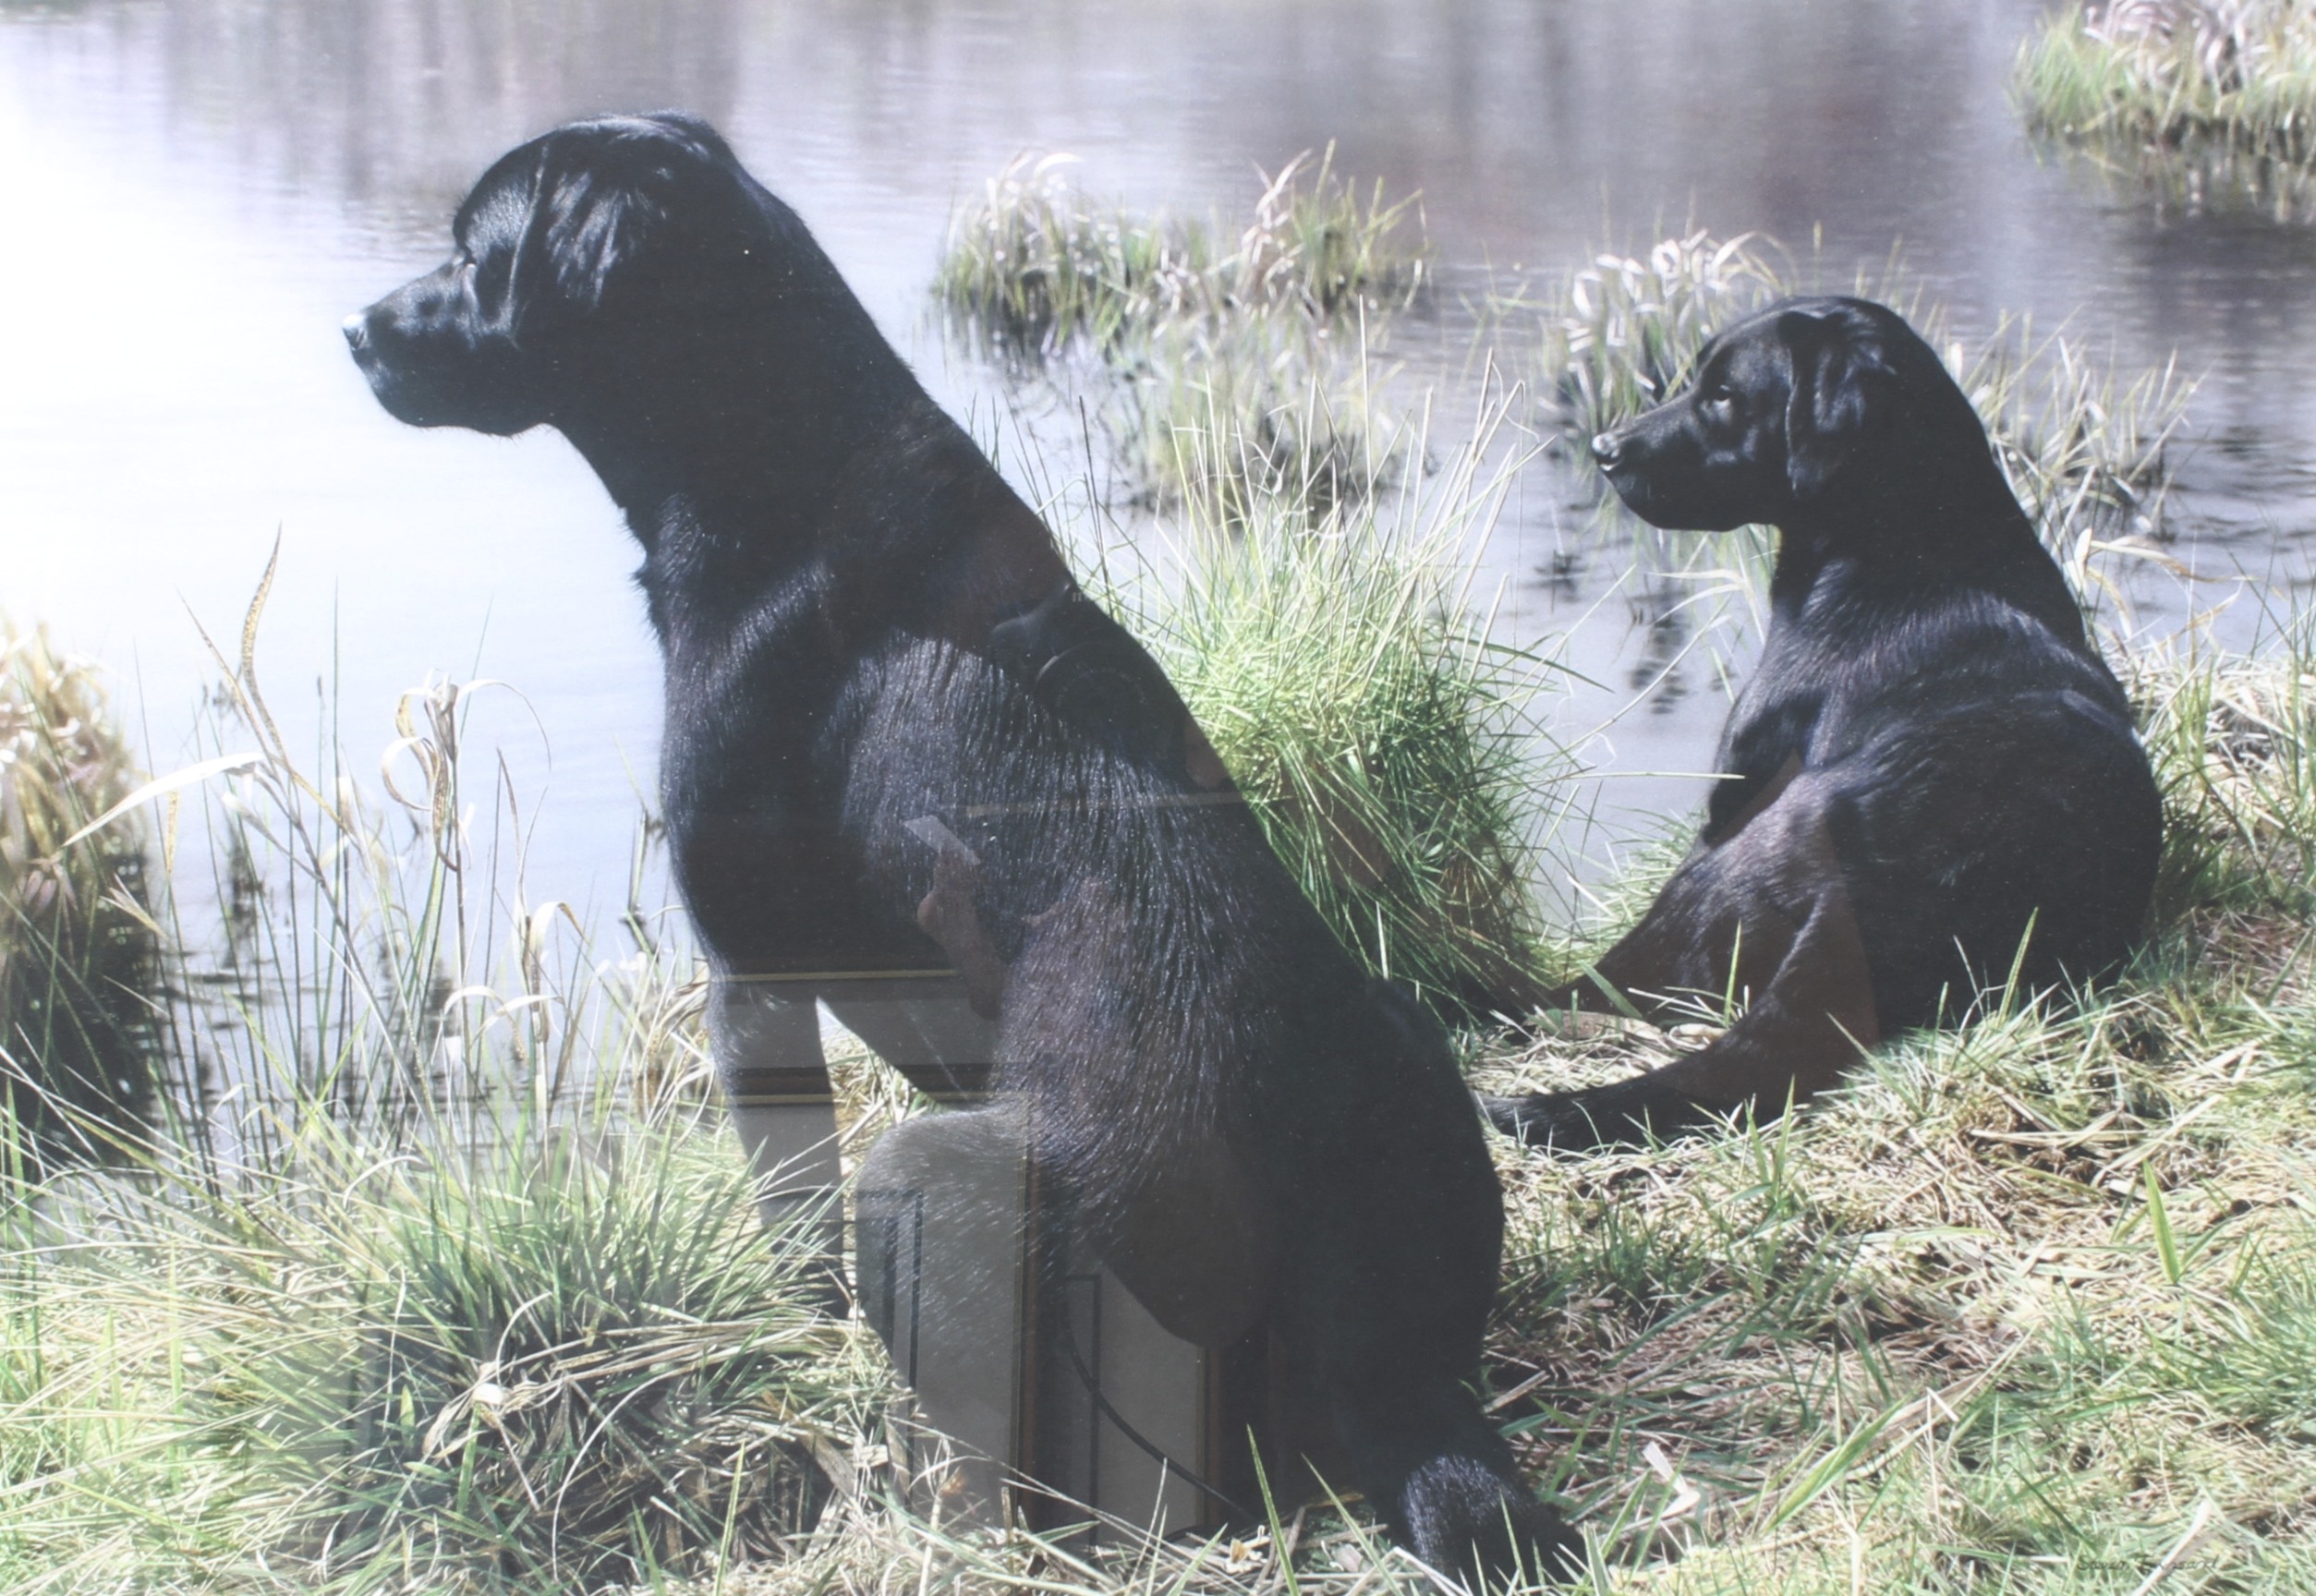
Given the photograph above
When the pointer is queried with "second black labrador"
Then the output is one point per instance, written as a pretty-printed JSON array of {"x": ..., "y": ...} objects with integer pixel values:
[
  {"x": 1932, "y": 779},
  {"x": 900, "y": 740}
]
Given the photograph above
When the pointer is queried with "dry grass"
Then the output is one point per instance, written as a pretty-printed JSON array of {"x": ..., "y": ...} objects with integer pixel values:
[
  {"x": 2167, "y": 83},
  {"x": 79, "y": 964},
  {"x": 1035, "y": 265}
]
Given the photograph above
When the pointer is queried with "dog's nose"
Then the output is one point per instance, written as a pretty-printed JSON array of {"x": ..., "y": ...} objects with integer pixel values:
[
  {"x": 1605, "y": 447},
  {"x": 356, "y": 330}
]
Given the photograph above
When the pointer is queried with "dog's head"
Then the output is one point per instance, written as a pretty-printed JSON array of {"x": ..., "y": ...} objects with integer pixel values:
[
  {"x": 641, "y": 228},
  {"x": 1789, "y": 410}
]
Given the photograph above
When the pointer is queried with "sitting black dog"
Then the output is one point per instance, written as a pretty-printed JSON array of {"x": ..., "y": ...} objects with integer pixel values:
[
  {"x": 901, "y": 739},
  {"x": 1932, "y": 781}
]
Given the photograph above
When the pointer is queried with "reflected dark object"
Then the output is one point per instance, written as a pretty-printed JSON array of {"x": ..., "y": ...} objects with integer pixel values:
[
  {"x": 1932, "y": 781},
  {"x": 1658, "y": 608},
  {"x": 910, "y": 772}
]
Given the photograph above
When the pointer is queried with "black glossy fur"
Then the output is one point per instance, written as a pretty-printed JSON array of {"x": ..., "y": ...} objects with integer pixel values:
[
  {"x": 862, "y": 625},
  {"x": 1930, "y": 758}
]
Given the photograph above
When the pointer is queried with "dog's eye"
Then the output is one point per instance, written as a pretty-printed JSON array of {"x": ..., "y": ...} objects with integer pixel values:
[{"x": 1721, "y": 396}]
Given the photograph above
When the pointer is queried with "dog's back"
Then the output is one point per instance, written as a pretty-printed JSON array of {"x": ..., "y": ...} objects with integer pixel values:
[{"x": 1987, "y": 780}]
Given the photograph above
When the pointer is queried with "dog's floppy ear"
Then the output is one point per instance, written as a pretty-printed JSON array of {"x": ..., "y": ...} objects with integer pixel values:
[
  {"x": 1842, "y": 389},
  {"x": 602, "y": 201}
]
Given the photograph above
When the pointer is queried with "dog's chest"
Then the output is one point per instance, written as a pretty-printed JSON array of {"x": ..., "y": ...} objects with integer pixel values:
[{"x": 752, "y": 789}]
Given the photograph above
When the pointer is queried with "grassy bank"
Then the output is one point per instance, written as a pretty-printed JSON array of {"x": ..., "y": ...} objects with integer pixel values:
[
  {"x": 2026, "y": 1308},
  {"x": 2154, "y": 82}
]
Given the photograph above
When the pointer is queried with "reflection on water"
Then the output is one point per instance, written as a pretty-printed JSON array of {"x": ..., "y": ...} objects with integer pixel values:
[
  {"x": 221, "y": 180},
  {"x": 1657, "y": 611}
]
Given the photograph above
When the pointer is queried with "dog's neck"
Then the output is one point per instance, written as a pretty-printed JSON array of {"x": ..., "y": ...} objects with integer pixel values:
[
  {"x": 888, "y": 512},
  {"x": 1971, "y": 535}
]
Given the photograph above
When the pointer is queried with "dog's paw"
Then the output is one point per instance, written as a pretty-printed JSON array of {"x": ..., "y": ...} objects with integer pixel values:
[
  {"x": 1569, "y": 1121},
  {"x": 1464, "y": 1522}
]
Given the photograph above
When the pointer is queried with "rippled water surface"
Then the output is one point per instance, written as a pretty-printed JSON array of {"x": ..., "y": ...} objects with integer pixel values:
[{"x": 197, "y": 191}]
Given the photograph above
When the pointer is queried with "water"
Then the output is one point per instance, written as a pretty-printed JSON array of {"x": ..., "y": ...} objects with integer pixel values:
[{"x": 197, "y": 191}]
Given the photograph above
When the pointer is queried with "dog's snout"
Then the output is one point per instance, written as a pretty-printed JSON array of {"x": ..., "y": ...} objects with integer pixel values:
[
  {"x": 1606, "y": 448},
  {"x": 356, "y": 330}
]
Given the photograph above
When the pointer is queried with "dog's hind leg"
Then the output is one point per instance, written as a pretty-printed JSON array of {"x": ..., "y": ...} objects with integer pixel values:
[
  {"x": 1813, "y": 1009},
  {"x": 1387, "y": 1346},
  {"x": 1392, "y": 1233}
]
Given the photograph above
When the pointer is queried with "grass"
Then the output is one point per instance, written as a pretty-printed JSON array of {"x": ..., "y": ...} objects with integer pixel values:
[
  {"x": 2157, "y": 80},
  {"x": 2235, "y": 739},
  {"x": 1390, "y": 749},
  {"x": 432, "y": 1275},
  {"x": 1035, "y": 265},
  {"x": 79, "y": 966},
  {"x": 1220, "y": 420},
  {"x": 2025, "y": 1308}
]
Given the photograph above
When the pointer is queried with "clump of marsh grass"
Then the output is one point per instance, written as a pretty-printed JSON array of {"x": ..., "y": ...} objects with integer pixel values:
[
  {"x": 527, "y": 1351},
  {"x": 1035, "y": 265},
  {"x": 2087, "y": 451},
  {"x": 1317, "y": 244},
  {"x": 512, "y": 1351},
  {"x": 1621, "y": 334},
  {"x": 1230, "y": 414},
  {"x": 2169, "y": 76},
  {"x": 1390, "y": 747},
  {"x": 2234, "y": 742},
  {"x": 80, "y": 950}
]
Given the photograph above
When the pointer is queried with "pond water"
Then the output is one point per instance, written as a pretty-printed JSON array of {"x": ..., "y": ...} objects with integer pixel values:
[{"x": 200, "y": 189}]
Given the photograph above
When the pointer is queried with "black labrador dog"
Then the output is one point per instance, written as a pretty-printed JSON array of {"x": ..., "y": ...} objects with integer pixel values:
[
  {"x": 1932, "y": 781},
  {"x": 899, "y": 738}
]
